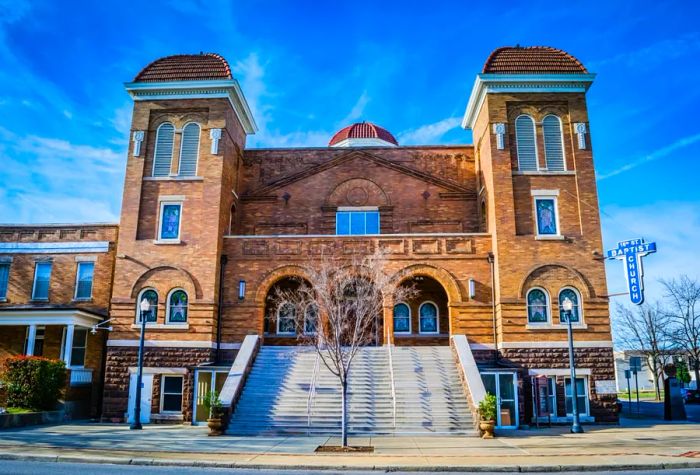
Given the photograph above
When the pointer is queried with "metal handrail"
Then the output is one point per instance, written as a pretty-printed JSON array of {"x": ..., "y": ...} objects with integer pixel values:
[
  {"x": 312, "y": 391},
  {"x": 393, "y": 387}
]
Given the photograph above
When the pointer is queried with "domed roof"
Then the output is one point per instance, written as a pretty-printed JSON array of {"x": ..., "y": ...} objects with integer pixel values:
[
  {"x": 532, "y": 60},
  {"x": 362, "y": 133},
  {"x": 186, "y": 67}
]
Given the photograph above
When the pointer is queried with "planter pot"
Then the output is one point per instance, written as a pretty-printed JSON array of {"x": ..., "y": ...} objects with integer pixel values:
[
  {"x": 487, "y": 429},
  {"x": 216, "y": 426}
]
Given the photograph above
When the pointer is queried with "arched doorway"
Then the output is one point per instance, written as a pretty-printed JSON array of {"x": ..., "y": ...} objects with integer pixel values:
[
  {"x": 424, "y": 318},
  {"x": 281, "y": 324}
]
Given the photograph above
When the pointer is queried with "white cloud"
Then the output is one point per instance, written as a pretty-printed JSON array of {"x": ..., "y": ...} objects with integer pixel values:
[
  {"x": 660, "y": 52},
  {"x": 655, "y": 155},
  {"x": 357, "y": 110},
  {"x": 674, "y": 226},
  {"x": 428, "y": 133}
]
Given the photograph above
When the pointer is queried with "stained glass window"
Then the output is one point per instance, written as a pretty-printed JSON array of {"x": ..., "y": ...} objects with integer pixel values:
[
  {"x": 402, "y": 318},
  {"x": 178, "y": 307},
  {"x": 546, "y": 211},
  {"x": 170, "y": 221},
  {"x": 152, "y": 297},
  {"x": 537, "y": 309},
  {"x": 573, "y": 296},
  {"x": 428, "y": 313}
]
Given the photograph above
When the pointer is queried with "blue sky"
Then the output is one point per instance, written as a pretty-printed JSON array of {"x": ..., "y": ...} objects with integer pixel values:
[{"x": 309, "y": 68}]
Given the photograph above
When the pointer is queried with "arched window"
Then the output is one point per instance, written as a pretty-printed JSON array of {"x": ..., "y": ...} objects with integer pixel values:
[
  {"x": 286, "y": 314},
  {"x": 152, "y": 297},
  {"x": 163, "y": 154},
  {"x": 402, "y": 318},
  {"x": 232, "y": 220},
  {"x": 573, "y": 295},
  {"x": 189, "y": 150},
  {"x": 553, "y": 143},
  {"x": 311, "y": 319},
  {"x": 526, "y": 143},
  {"x": 537, "y": 306},
  {"x": 177, "y": 306},
  {"x": 428, "y": 313},
  {"x": 484, "y": 219}
]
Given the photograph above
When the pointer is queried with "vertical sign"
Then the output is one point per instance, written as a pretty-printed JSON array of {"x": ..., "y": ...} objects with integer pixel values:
[{"x": 631, "y": 253}]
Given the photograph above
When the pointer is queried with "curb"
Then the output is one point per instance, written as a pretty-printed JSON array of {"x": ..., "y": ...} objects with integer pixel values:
[{"x": 164, "y": 462}]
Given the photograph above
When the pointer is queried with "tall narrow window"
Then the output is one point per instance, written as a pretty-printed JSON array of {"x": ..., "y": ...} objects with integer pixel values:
[
  {"x": 402, "y": 318},
  {"x": 546, "y": 216},
  {"x": 152, "y": 297},
  {"x": 171, "y": 394},
  {"x": 286, "y": 315},
  {"x": 77, "y": 357},
  {"x": 428, "y": 316},
  {"x": 311, "y": 319},
  {"x": 572, "y": 295},
  {"x": 163, "y": 154},
  {"x": 38, "y": 349},
  {"x": 526, "y": 143},
  {"x": 177, "y": 307},
  {"x": 581, "y": 396},
  {"x": 83, "y": 280},
  {"x": 4, "y": 279},
  {"x": 42, "y": 277},
  {"x": 553, "y": 143},
  {"x": 170, "y": 215},
  {"x": 189, "y": 150},
  {"x": 537, "y": 306}
]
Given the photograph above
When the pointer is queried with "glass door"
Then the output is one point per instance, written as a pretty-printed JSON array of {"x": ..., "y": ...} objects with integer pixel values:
[
  {"x": 206, "y": 381},
  {"x": 504, "y": 387}
]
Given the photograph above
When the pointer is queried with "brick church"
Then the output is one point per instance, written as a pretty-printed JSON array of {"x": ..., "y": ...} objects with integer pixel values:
[{"x": 494, "y": 236}]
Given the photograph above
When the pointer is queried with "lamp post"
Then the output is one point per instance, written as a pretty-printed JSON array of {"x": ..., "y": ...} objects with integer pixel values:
[
  {"x": 144, "y": 307},
  {"x": 567, "y": 306}
]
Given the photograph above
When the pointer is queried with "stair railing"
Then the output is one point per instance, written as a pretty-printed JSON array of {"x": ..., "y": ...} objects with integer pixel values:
[
  {"x": 312, "y": 392},
  {"x": 393, "y": 386}
]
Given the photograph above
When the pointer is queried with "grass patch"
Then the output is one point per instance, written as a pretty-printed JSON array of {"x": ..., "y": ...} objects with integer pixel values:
[
  {"x": 17, "y": 410},
  {"x": 642, "y": 395}
]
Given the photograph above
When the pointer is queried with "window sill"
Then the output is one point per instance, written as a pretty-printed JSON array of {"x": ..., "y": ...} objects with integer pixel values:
[
  {"x": 162, "y": 326},
  {"x": 546, "y": 173},
  {"x": 83, "y": 300},
  {"x": 40, "y": 300},
  {"x": 165, "y": 242},
  {"x": 555, "y": 326},
  {"x": 419, "y": 335},
  {"x": 173, "y": 178},
  {"x": 552, "y": 237}
]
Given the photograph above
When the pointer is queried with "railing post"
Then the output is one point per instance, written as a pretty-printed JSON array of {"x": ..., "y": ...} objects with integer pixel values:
[
  {"x": 312, "y": 391},
  {"x": 393, "y": 387}
]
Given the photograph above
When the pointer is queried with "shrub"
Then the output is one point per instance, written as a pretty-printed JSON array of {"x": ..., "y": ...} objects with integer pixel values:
[
  {"x": 212, "y": 404},
  {"x": 32, "y": 382},
  {"x": 487, "y": 408}
]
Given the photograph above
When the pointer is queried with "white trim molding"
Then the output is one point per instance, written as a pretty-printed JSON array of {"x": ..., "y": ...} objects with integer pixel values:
[
  {"x": 49, "y": 317},
  {"x": 138, "y": 139},
  {"x": 53, "y": 247},
  {"x": 580, "y": 131},
  {"x": 517, "y": 83},
  {"x": 205, "y": 89},
  {"x": 499, "y": 129},
  {"x": 555, "y": 344},
  {"x": 215, "y": 136},
  {"x": 173, "y": 344},
  {"x": 559, "y": 372}
]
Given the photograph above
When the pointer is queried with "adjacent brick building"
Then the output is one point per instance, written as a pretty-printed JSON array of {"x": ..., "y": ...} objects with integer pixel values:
[{"x": 495, "y": 235}]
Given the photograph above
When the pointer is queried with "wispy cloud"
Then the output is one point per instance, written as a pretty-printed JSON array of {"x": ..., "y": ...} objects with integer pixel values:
[
  {"x": 655, "y": 155},
  {"x": 429, "y": 133},
  {"x": 357, "y": 110},
  {"x": 653, "y": 54}
]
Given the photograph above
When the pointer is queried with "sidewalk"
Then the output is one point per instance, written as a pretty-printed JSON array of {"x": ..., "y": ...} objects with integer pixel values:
[{"x": 635, "y": 445}]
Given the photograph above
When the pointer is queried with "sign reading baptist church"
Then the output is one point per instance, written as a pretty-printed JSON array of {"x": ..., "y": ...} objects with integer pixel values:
[{"x": 631, "y": 252}]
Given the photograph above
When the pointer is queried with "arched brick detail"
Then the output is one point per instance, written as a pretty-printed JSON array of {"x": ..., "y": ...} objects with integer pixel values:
[
  {"x": 448, "y": 282},
  {"x": 274, "y": 276},
  {"x": 576, "y": 279},
  {"x": 358, "y": 192},
  {"x": 144, "y": 278}
]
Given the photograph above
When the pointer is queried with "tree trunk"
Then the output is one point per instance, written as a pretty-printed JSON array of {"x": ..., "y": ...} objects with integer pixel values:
[{"x": 343, "y": 417}]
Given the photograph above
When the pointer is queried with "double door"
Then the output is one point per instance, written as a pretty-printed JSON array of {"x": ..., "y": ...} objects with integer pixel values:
[{"x": 505, "y": 387}]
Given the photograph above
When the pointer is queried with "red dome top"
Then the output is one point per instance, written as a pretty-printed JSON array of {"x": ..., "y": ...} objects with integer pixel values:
[
  {"x": 363, "y": 130},
  {"x": 532, "y": 60},
  {"x": 186, "y": 67}
]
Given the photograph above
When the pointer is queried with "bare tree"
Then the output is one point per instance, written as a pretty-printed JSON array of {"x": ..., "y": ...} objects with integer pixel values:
[
  {"x": 346, "y": 298},
  {"x": 645, "y": 329},
  {"x": 683, "y": 296}
]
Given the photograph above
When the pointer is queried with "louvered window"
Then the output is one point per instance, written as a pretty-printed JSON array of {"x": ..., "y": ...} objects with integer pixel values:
[
  {"x": 189, "y": 150},
  {"x": 163, "y": 155},
  {"x": 526, "y": 143},
  {"x": 553, "y": 144}
]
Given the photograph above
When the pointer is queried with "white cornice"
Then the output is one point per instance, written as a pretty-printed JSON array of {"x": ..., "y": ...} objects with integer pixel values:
[
  {"x": 509, "y": 83},
  {"x": 363, "y": 142},
  {"x": 220, "y": 88},
  {"x": 78, "y": 247},
  {"x": 49, "y": 317}
]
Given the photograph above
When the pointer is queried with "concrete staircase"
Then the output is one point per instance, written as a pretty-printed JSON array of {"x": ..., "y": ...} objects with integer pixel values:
[{"x": 289, "y": 391}]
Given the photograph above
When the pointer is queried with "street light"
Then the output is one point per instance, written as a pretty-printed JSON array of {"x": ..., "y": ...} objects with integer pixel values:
[
  {"x": 567, "y": 306},
  {"x": 144, "y": 307}
]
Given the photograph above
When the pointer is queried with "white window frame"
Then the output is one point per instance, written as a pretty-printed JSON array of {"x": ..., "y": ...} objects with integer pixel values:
[
  {"x": 163, "y": 393},
  {"x": 410, "y": 326},
  {"x": 155, "y": 150},
  {"x": 437, "y": 319},
  {"x": 63, "y": 346},
  {"x": 37, "y": 337},
  {"x": 306, "y": 319},
  {"x": 356, "y": 209},
  {"x": 563, "y": 148},
  {"x": 3, "y": 298},
  {"x": 586, "y": 387},
  {"x": 182, "y": 143},
  {"x": 580, "y": 321},
  {"x": 167, "y": 307},
  {"x": 138, "y": 305},
  {"x": 165, "y": 202},
  {"x": 77, "y": 279},
  {"x": 546, "y": 195},
  {"x": 277, "y": 326},
  {"x": 48, "y": 290},
  {"x": 548, "y": 306},
  {"x": 517, "y": 142}
]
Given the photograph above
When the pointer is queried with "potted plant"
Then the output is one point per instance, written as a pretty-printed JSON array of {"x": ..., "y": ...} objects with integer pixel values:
[
  {"x": 212, "y": 404},
  {"x": 487, "y": 416}
]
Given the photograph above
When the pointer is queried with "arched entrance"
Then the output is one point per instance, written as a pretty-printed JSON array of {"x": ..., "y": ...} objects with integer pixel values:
[
  {"x": 281, "y": 324},
  {"x": 424, "y": 319}
]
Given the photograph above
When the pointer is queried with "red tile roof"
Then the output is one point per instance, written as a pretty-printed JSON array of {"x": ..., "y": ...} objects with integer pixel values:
[
  {"x": 363, "y": 130},
  {"x": 186, "y": 67},
  {"x": 532, "y": 60}
]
